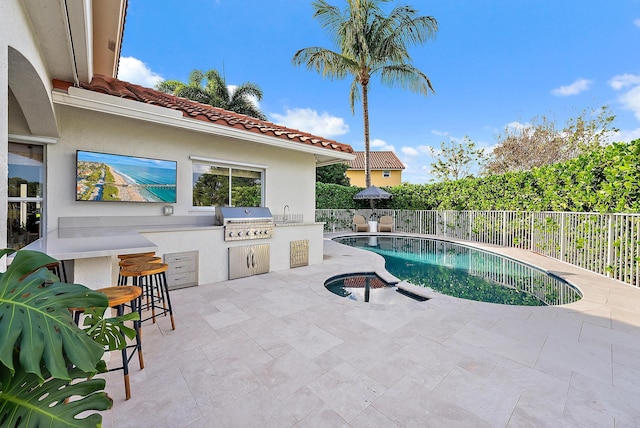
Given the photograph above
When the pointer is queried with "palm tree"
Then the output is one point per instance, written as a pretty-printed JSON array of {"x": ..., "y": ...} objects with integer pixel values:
[
  {"x": 215, "y": 92},
  {"x": 369, "y": 44}
]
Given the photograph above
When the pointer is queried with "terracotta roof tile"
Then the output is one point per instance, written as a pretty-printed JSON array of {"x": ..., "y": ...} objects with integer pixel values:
[
  {"x": 379, "y": 160},
  {"x": 204, "y": 112}
]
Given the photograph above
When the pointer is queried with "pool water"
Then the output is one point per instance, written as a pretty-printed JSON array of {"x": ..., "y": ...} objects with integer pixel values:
[{"x": 469, "y": 273}]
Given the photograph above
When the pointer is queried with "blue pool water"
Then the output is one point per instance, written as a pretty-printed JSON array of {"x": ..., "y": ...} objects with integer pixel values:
[{"x": 466, "y": 272}]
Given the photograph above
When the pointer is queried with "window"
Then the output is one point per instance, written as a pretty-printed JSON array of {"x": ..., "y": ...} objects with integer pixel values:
[
  {"x": 386, "y": 174},
  {"x": 25, "y": 187},
  {"x": 220, "y": 185}
]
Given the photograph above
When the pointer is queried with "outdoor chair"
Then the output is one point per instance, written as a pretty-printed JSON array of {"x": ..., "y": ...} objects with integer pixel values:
[
  {"x": 385, "y": 224},
  {"x": 360, "y": 224}
]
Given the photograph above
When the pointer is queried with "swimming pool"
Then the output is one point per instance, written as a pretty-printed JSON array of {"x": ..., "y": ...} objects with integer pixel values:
[{"x": 466, "y": 272}]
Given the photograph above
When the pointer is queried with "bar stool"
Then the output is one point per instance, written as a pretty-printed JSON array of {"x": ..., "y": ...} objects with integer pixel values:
[
  {"x": 119, "y": 297},
  {"x": 128, "y": 261},
  {"x": 152, "y": 278}
]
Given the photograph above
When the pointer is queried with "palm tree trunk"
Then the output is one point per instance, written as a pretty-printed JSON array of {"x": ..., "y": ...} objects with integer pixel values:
[
  {"x": 365, "y": 113},
  {"x": 367, "y": 157}
]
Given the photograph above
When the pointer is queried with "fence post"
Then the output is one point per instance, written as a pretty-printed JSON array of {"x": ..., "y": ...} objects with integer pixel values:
[
  {"x": 610, "y": 247},
  {"x": 531, "y": 234},
  {"x": 504, "y": 228},
  {"x": 563, "y": 244},
  {"x": 445, "y": 223}
]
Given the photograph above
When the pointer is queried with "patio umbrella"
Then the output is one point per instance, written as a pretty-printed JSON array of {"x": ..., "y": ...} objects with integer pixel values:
[{"x": 372, "y": 192}]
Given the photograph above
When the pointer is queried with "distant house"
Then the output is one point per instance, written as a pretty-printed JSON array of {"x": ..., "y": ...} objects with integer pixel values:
[{"x": 386, "y": 169}]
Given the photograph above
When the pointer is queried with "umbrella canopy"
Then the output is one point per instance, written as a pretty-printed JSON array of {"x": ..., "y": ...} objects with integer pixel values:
[{"x": 372, "y": 192}]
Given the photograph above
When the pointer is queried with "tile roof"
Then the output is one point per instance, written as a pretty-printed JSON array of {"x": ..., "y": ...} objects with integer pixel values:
[
  {"x": 379, "y": 160},
  {"x": 195, "y": 110}
]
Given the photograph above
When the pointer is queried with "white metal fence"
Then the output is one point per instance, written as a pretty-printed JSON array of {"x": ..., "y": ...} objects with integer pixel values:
[{"x": 608, "y": 244}]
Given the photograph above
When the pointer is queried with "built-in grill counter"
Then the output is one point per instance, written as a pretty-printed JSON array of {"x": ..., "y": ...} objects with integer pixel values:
[
  {"x": 246, "y": 224},
  {"x": 90, "y": 245}
]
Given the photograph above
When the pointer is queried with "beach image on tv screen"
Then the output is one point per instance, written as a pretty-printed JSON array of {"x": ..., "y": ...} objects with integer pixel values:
[{"x": 108, "y": 177}]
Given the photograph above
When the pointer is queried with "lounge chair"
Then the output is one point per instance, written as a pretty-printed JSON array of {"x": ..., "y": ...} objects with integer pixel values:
[
  {"x": 385, "y": 224},
  {"x": 360, "y": 224}
]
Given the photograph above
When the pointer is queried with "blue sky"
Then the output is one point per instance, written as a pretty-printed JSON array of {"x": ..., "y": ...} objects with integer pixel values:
[{"x": 493, "y": 64}]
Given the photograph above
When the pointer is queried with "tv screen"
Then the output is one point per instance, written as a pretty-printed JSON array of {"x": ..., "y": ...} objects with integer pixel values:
[{"x": 110, "y": 177}]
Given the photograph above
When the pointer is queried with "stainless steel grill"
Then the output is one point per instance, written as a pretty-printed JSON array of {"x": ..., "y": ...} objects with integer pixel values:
[{"x": 244, "y": 223}]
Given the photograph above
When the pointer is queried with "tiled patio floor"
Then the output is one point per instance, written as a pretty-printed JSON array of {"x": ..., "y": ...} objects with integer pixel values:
[{"x": 278, "y": 350}]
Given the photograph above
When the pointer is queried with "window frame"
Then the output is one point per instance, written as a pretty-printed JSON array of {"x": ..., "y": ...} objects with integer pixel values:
[
  {"x": 40, "y": 201},
  {"x": 229, "y": 166}
]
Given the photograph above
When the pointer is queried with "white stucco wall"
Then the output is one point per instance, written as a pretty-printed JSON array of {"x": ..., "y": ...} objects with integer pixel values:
[
  {"x": 289, "y": 178},
  {"x": 28, "y": 66}
]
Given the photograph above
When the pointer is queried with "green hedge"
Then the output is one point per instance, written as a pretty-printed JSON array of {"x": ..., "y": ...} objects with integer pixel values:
[{"x": 606, "y": 180}]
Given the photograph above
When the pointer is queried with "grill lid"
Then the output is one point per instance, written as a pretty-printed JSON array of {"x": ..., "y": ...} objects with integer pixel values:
[{"x": 225, "y": 215}]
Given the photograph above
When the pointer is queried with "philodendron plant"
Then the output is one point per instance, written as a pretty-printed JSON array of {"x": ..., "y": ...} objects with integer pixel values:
[{"x": 46, "y": 360}]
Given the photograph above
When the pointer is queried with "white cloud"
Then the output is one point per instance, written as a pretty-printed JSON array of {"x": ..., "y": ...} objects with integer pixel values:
[
  {"x": 381, "y": 145},
  {"x": 626, "y": 135},
  {"x": 308, "y": 120},
  {"x": 622, "y": 81},
  {"x": 409, "y": 151},
  {"x": 135, "y": 71},
  {"x": 631, "y": 101},
  {"x": 575, "y": 88},
  {"x": 636, "y": 22}
]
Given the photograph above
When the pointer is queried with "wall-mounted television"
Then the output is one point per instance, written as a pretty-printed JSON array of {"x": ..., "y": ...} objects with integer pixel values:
[{"x": 111, "y": 177}]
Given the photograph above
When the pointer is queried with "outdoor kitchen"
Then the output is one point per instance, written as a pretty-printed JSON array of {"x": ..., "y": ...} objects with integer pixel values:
[{"x": 234, "y": 243}]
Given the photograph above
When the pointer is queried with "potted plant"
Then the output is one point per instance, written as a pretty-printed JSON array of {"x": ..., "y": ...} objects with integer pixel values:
[{"x": 46, "y": 360}]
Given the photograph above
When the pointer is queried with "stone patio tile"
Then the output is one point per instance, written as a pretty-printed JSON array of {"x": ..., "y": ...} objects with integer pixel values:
[
  {"x": 541, "y": 397},
  {"x": 411, "y": 403},
  {"x": 491, "y": 402},
  {"x": 371, "y": 417},
  {"x": 598, "y": 335},
  {"x": 588, "y": 396},
  {"x": 286, "y": 374},
  {"x": 322, "y": 418},
  {"x": 257, "y": 408},
  {"x": 473, "y": 337},
  {"x": 561, "y": 358},
  {"x": 302, "y": 403},
  {"x": 236, "y": 347},
  {"x": 308, "y": 339},
  {"x": 220, "y": 383},
  {"x": 347, "y": 390},
  {"x": 228, "y": 314}
]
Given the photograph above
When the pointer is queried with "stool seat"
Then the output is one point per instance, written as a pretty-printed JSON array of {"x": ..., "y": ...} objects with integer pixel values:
[
  {"x": 139, "y": 260},
  {"x": 120, "y": 295},
  {"x": 144, "y": 269},
  {"x": 128, "y": 256}
]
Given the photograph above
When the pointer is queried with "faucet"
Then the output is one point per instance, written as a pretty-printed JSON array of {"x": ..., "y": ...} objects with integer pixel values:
[{"x": 284, "y": 215}]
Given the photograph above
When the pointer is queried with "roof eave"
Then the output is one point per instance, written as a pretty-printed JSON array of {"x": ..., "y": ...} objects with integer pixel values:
[{"x": 90, "y": 100}]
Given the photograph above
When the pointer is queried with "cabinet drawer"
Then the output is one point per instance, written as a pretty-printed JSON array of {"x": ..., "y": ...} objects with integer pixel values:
[
  {"x": 181, "y": 267},
  {"x": 180, "y": 280},
  {"x": 191, "y": 256}
]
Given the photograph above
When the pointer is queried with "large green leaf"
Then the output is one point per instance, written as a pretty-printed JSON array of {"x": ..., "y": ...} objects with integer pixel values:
[
  {"x": 27, "y": 402},
  {"x": 35, "y": 318},
  {"x": 111, "y": 332}
]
